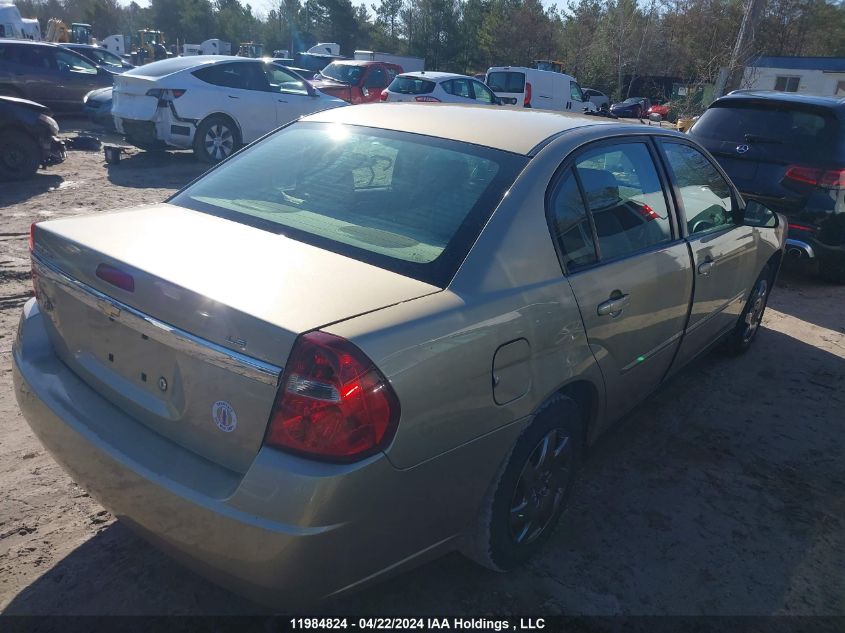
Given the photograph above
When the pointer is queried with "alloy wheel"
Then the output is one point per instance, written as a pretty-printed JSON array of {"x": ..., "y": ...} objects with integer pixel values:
[
  {"x": 219, "y": 141},
  {"x": 541, "y": 487}
]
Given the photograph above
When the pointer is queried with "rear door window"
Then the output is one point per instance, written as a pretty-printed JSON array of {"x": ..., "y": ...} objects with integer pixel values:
[
  {"x": 625, "y": 198},
  {"x": 458, "y": 88},
  {"x": 238, "y": 75},
  {"x": 36, "y": 57},
  {"x": 501, "y": 81},
  {"x": 411, "y": 85}
]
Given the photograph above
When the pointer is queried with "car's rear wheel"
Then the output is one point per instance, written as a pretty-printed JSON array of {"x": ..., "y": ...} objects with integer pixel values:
[
  {"x": 749, "y": 322},
  {"x": 19, "y": 156},
  {"x": 216, "y": 139},
  {"x": 531, "y": 490}
]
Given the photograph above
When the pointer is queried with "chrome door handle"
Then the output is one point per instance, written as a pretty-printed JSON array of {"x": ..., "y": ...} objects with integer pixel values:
[
  {"x": 704, "y": 268},
  {"x": 613, "y": 307}
]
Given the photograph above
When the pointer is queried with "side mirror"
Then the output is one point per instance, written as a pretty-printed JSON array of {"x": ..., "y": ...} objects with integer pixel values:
[{"x": 758, "y": 214}]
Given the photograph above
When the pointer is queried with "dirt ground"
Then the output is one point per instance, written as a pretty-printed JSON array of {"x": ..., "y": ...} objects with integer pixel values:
[{"x": 723, "y": 494}]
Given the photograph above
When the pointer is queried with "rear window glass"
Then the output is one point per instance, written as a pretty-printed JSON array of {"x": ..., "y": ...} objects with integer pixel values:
[
  {"x": 411, "y": 85},
  {"x": 408, "y": 203},
  {"x": 778, "y": 123},
  {"x": 506, "y": 82}
]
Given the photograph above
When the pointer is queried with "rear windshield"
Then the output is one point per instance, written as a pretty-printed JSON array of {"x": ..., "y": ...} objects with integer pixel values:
[
  {"x": 506, "y": 82},
  {"x": 411, "y": 85},
  {"x": 778, "y": 123},
  {"x": 404, "y": 202}
]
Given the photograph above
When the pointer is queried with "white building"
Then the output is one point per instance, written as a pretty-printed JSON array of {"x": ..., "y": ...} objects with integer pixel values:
[{"x": 806, "y": 75}]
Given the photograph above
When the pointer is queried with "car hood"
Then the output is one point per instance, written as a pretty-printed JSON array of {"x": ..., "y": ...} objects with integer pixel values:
[
  {"x": 24, "y": 103},
  {"x": 623, "y": 106}
]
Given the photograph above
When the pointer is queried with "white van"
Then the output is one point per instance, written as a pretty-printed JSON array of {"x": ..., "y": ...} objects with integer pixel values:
[
  {"x": 532, "y": 88},
  {"x": 11, "y": 23}
]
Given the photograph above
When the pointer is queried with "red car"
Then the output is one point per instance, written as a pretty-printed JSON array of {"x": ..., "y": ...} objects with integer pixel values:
[
  {"x": 662, "y": 109},
  {"x": 355, "y": 81}
]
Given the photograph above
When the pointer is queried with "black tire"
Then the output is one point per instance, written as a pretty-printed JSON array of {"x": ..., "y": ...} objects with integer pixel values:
[
  {"x": 216, "y": 139},
  {"x": 20, "y": 156},
  {"x": 833, "y": 272},
  {"x": 503, "y": 537},
  {"x": 746, "y": 328}
]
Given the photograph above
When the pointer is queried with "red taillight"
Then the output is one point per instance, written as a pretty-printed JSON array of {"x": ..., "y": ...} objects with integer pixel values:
[
  {"x": 833, "y": 179},
  {"x": 647, "y": 212},
  {"x": 32, "y": 236},
  {"x": 825, "y": 178},
  {"x": 116, "y": 277},
  {"x": 333, "y": 403},
  {"x": 794, "y": 226},
  {"x": 527, "y": 102},
  {"x": 177, "y": 92},
  {"x": 383, "y": 95},
  {"x": 427, "y": 99}
]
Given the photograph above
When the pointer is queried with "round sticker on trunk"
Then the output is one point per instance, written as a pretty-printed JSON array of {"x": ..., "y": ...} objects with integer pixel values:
[{"x": 224, "y": 416}]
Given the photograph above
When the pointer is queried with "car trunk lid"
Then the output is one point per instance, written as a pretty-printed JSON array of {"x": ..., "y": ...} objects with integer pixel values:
[
  {"x": 185, "y": 320},
  {"x": 130, "y": 99}
]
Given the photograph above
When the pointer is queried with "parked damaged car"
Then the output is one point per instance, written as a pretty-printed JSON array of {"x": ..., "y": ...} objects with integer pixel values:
[
  {"x": 28, "y": 138},
  {"x": 213, "y": 104},
  {"x": 380, "y": 334}
]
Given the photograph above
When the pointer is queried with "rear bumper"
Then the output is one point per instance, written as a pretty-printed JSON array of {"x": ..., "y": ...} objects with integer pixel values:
[
  {"x": 53, "y": 151},
  {"x": 164, "y": 130},
  {"x": 290, "y": 530}
]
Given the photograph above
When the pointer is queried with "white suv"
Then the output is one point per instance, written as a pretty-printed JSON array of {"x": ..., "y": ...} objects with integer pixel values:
[
  {"x": 428, "y": 87},
  {"x": 211, "y": 103}
]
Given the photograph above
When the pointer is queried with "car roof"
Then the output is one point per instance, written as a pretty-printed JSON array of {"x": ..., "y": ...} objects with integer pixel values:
[
  {"x": 516, "y": 130},
  {"x": 359, "y": 62},
  {"x": 784, "y": 97},
  {"x": 433, "y": 76},
  {"x": 172, "y": 65},
  {"x": 6, "y": 40}
]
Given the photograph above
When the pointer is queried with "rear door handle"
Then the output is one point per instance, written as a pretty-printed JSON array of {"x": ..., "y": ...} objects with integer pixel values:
[
  {"x": 613, "y": 307},
  {"x": 705, "y": 267},
  {"x": 233, "y": 97}
]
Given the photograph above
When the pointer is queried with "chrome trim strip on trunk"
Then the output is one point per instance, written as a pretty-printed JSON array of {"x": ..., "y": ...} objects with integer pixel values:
[{"x": 164, "y": 333}]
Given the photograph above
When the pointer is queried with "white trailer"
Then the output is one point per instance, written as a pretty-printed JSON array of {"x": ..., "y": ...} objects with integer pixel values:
[
  {"x": 215, "y": 46},
  {"x": 325, "y": 48},
  {"x": 11, "y": 23},
  {"x": 117, "y": 44},
  {"x": 32, "y": 29},
  {"x": 408, "y": 64},
  {"x": 191, "y": 49}
]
